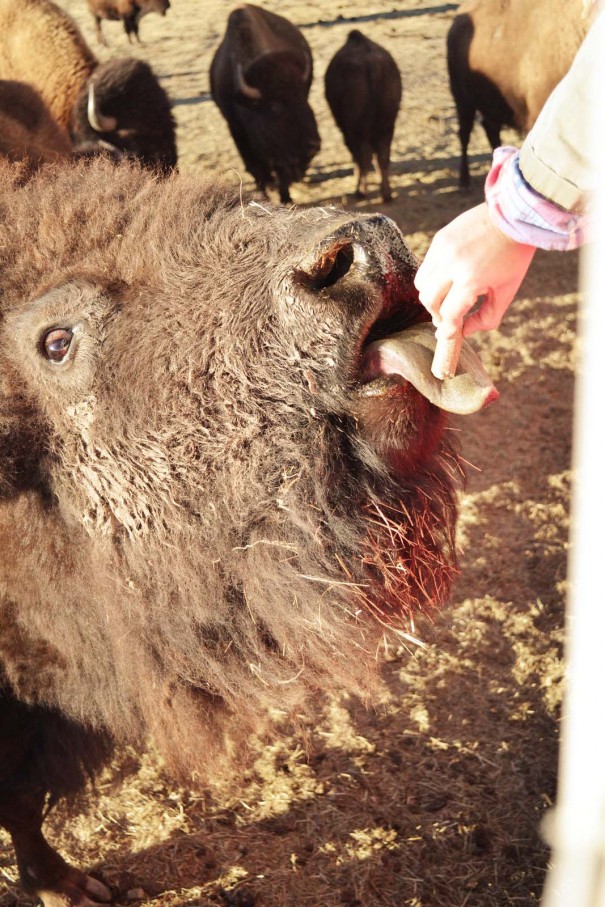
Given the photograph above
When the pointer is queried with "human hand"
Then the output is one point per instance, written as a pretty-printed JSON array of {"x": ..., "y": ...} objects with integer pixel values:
[{"x": 467, "y": 259}]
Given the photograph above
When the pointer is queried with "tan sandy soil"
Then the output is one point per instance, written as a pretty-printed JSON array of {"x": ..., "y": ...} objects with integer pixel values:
[{"x": 435, "y": 796}]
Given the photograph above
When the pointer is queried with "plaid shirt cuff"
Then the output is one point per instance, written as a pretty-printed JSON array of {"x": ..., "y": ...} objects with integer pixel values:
[{"x": 524, "y": 215}]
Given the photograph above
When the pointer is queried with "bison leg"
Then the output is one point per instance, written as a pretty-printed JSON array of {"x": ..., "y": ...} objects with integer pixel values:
[
  {"x": 131, "y": 27},
  {"x": 98, "y": 32},
  {"x": 466, "y": 121},
  {"x": 284, "y": 190},
  {"x": 44, "y": 874},
  {"x": 383, "y": 156},
  {"x": 492, "y": 131},
  {"x": 363, "y": 160},
  {"x": 262, "y": 176}
]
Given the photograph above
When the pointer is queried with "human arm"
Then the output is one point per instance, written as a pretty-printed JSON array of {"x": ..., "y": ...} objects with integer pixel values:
[{"x": 487, "y": 250}]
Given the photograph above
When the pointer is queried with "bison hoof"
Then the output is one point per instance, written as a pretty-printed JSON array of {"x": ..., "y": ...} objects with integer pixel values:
[{"x": 75, "y": 889}]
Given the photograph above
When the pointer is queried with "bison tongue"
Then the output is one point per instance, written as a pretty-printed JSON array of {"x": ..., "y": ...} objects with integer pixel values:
[{"x": 409, "y": 354}]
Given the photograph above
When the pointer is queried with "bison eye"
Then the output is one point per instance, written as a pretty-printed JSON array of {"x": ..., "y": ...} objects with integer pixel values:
[{"x": 56, "y": 343}]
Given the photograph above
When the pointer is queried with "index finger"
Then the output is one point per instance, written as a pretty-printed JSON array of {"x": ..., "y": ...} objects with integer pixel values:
[
  {"x": 432, "y": 290},
  {"x": 458, "y": 302}
]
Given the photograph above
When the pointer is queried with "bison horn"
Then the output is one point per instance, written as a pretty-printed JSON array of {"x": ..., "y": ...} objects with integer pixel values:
[
  {"x": 96, "y": 119},
  {"x": 247, "y": 90},
  {"x": 307, "y": 70}
]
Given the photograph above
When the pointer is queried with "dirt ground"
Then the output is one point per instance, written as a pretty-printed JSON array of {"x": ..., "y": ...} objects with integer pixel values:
[{"x": 434, "y": 797}]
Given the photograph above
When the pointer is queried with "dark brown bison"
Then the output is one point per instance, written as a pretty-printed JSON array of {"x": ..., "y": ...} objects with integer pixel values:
[
  {"x": 505, "y": 58},
  {"x": 126, "y": 107},
  {"x": 363, "y": 90},
  {"x": 30, "y": 135},
  {"x": 119, "y": 102},
  {"x": 260, "y": 78},
  {"x": 129, "y": 12},
  {"x": 222, "y": 473},
  {"x": 28, "y": 131}
]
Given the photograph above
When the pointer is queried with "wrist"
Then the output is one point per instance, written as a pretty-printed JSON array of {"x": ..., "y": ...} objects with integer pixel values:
[{"x": 522, "y": 214}]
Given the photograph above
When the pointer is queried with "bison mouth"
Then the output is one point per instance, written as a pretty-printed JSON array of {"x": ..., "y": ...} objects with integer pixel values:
[
  {"x": 397, "y": 352},
  {"x": 395, "y": 347}
]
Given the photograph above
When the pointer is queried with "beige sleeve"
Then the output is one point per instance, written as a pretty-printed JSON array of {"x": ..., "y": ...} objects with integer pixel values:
[{"x": 554, "y": 157}]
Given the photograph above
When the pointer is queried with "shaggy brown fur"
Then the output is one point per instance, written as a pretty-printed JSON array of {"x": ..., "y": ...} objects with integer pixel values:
[
  {"x": 199, "y": 515},
  {"x": 504, "y": 59},
  {"x": 28, "y": 131},
  {"x": 42, "y": 45}
]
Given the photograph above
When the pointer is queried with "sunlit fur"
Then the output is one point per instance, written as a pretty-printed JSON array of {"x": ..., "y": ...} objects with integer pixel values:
[{"x": 28, "y": 131}]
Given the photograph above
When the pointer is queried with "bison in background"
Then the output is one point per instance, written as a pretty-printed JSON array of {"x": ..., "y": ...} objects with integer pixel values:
[
  {"x": 363, "y": 91},
  {"x": 126, "y": 107},
  {"x": 129, "y": 12},
  {"x": 222, "y": 473},
  {"x": 260, "y": 78},
  {"x": 120, "y": 102},
  {"x": 28, "y": 131},
  {"x": 505, "y": 58}
]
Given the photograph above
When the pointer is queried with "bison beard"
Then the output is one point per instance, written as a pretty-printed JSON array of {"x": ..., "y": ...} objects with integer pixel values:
[{"x": 218, "y": 480}]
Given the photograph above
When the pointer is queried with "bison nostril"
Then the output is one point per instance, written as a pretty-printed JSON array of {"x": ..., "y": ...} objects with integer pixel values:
[{"x": 327, "y": 268}]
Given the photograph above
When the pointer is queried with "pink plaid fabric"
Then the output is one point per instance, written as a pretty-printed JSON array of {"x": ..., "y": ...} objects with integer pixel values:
[{"x": 524, "y": 215}]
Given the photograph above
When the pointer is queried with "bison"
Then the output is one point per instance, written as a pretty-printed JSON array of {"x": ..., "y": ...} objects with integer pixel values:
[
  {"x": 222, "y": 473},
  {"x": 363, "y": 91},
  {"x": 119, "y": 102},
  {"x": 126, "y": 107},
  {"x": 129, "y": 12},
  {"x": 505, "y": 58},
  {"x": 28, "y": 131},
  {"x": 260, "y": 77}
]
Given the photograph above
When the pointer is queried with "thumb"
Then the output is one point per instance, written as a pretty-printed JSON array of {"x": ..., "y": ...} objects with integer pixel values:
[{"x": 489, "y": 314}]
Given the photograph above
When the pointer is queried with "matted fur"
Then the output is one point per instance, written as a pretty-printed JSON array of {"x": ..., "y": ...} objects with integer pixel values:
[{"x": 198, "y": 521}]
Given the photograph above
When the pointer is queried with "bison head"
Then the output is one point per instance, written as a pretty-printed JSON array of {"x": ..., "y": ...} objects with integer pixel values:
[
  {"x": 221, "y": 438},
  {"x": 273, "y": 110},
  {"x": 125, "y": 107}
]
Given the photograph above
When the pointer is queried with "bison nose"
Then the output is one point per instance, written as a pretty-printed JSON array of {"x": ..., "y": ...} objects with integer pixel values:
[{"x": 370, "y": 246}]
